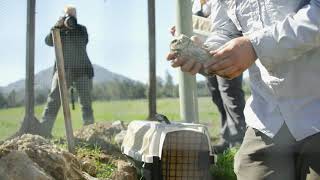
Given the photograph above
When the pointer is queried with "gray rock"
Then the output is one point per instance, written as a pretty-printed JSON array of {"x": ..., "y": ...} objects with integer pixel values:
[
  {"x": 54, "y": 162},
  {"x": 18, "y": 166},
  {"x": 88, "y": 166},
  {"x": 89, "y": 177},
  {"x": 125, "y": 171},
  {"x": 118, "y": 125},
  {"x": 119, "y": 137}
]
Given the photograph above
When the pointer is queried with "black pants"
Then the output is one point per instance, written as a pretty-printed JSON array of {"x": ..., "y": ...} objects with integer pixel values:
[{"x": 229, "y": 98}]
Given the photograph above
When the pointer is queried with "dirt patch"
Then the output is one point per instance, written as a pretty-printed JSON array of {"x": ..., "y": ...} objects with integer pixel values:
[{"x": 46, "y": 160}]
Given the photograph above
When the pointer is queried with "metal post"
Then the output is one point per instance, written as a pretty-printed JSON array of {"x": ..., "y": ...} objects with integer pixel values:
[
  {"x": 152, "y": 60},
  {"x": 63, "y": 88},
  {"x": 29, "y": 84},
  {"x": 29, "y": 124},
  {"x": 187, "y": 83}
]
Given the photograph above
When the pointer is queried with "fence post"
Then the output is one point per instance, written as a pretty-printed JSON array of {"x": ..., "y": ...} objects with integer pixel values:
[
  {"x": 187, "y": 83},
  {"x": 29, "y": 84},
  {"x": 152, "y": 94}
]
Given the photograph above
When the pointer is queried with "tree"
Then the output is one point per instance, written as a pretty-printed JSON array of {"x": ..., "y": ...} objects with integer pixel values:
[
  {"x": 41, "y": 96},
  {"x": 202, "y": 89},
  {"x": 3, "y": 101},
  {"x": 159, "y": 86},
  {"x": 168, "y": 88},
  {"x": 12, "y": 99}
]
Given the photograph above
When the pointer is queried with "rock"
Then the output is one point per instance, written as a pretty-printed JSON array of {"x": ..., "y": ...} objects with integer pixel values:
[
  {"x": 105, "y": 158},
  {"x": 118, "y": 125},
  {"x": 18, "y": 166},
  {"x": 88, "y": 177},
  {"x": 88, "y": 166},
  {"x": 119, "y": 137},
  {"x": 101, "y": 134},
  {"x": 54, "y": 162},
  {"x": 125, "y": 171}
]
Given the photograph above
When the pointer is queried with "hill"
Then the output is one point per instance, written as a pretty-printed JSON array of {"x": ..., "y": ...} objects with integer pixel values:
[{"x": 43, "y": 79}]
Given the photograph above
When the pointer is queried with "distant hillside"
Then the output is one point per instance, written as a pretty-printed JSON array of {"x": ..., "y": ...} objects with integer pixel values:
[{"x": 43, "y": 79}]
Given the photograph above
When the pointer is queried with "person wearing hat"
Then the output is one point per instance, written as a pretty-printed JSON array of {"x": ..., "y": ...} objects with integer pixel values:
[{"x": 78, "y": 68}]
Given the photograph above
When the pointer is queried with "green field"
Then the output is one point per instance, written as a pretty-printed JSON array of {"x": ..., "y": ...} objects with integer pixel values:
[{"x": 127, "y": 111}]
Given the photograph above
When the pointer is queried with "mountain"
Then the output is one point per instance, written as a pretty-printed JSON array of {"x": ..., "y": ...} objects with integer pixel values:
[{"x": 43, "y": 79}]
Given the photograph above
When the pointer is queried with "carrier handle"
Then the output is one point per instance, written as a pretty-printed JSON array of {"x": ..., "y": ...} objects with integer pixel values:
[{"x": 162, "y": 118}]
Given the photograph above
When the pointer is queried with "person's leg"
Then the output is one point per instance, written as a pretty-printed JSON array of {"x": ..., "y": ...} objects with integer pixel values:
[
  {"x": 51, "y": 109},
  {"x": 308, "y": 159},
  {"x": 213, "y": 88},
  {"x": 212, "y": 84},
  {"x": 83, "y": 86},
  {"x": 233, "y": 100},
  {"x": 264, "y": 158}
]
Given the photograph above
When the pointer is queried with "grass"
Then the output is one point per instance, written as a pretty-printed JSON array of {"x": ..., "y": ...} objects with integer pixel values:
[
  {"x": 104, "y": 169},
  {"x": 223, "y": 169},
  {"x": 126, "y": 111}
]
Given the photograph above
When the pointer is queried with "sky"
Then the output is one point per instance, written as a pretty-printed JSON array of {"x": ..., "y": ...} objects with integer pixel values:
[{"x": 118, "y": 35}]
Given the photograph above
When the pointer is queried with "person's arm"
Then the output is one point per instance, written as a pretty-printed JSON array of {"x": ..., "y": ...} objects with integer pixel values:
[
  {"x": 222, "y": 34},
  {"x": 59, "y": 24},
  {"x": 288, "y": 40},
  {"x": 224, "y": 30},
  {"x": 83, "y": 35}
]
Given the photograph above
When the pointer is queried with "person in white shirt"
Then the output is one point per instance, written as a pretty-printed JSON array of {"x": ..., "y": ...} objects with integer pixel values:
[
  {"x": 279, "y": 43},
  {"x": 226, "y": 94}
]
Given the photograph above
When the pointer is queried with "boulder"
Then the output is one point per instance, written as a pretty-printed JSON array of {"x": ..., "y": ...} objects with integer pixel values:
[
  {"x": 101, "y": 134},
  {"x": 88, "y": 166},
  {"x": 18, "y": 166},
  {"x": 125, "y": 171},
  {"x": 43, "y": 157},
  {"x": 119, "y": 125},
  {"x": 119, "y": 137}
]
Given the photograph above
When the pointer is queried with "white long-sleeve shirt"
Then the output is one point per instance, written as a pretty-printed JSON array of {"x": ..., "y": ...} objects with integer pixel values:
[{"x": 285, "y": 79}]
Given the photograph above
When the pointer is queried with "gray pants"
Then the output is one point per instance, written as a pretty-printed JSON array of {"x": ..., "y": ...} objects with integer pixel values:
[
  {"x": 83, "y": 86},
  {"x": 229, "y": 98},
  {"x": 279, "y": 158}
]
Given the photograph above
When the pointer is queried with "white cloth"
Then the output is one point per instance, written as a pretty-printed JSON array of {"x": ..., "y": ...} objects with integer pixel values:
[
  {"x": 206, "y": 8},
  {"x": 285, "y": 80}
]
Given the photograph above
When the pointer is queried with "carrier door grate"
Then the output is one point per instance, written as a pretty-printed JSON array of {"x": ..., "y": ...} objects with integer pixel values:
[{"x": 185, "y": 156}]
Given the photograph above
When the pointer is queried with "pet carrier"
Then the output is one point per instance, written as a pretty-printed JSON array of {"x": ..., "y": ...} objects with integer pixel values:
[{"x": 177, "y": 151}]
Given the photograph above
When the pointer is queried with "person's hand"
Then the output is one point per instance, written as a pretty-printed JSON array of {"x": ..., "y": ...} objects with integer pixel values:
[
  {"x": 173, "y": 30},
  {"x": 190, "y": 66},
  {"x": 59, "y": 23},
  {"x": 202, "y": 2},
  {"x": 232, "y": 59}
]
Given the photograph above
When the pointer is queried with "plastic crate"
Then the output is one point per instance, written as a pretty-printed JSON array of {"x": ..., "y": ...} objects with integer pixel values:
[{"x": 178, "y": 151}]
